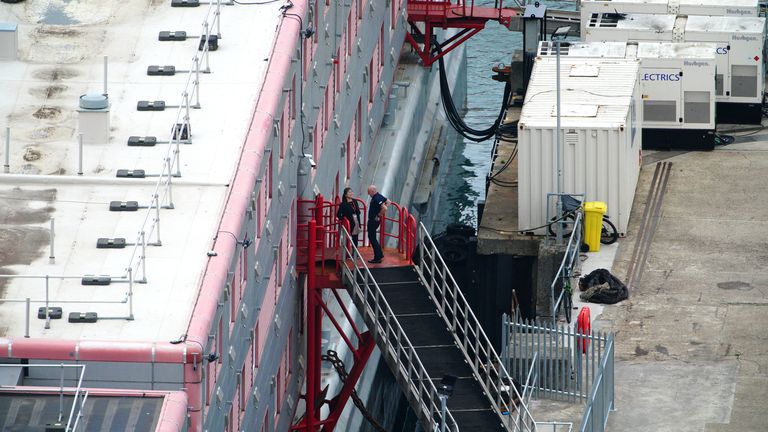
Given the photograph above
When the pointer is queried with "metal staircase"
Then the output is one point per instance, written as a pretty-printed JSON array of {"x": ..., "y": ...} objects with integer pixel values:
[
  {"x": 425, "y": 329},
  {"x": 415, "y": 313}
]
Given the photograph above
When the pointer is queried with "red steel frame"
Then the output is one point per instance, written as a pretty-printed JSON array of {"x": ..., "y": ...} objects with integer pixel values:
[
  {"x": 456, "y": 14},
  {"x": 318, "y": 244}
]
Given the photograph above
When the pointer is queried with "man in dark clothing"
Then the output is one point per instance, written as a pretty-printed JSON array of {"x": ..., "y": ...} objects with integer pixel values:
[{"x": 376, "y": 211}]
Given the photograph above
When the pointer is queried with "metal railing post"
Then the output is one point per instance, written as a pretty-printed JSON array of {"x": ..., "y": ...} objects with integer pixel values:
[
  {"x": 206, "y": 47},
  {"x": 80, "y": 154},
  {"x": 61, "y": 393},
  {"x": 130, "y": 293},
  {"x": 106, "y": 69},
  {"x": 7, "y": 165},
  {"x": 26, "y": 328},
  {"x": 47, "y": 310},
  {"x": 52, "y": 255},
  {"x": 196, "y": 61},
  {"x": 156, "y": 199},
  {"x": 143, "y": 257}
]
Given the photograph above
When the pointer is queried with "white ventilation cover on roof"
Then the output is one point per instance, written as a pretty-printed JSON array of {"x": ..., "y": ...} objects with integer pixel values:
[
  {"x": 575, "y": 110},
  {"x": 584, "y": 70}
]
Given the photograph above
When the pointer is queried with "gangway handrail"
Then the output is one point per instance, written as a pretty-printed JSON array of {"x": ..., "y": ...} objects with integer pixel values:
[
  {"x": 386, "y": 329},
  {"x": 469, "y": 336}
]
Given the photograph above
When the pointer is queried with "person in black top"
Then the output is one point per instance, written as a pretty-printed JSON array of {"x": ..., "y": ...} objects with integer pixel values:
[
  {"x": 349, "y": 210},
  {"x": 376, "y": 210}
]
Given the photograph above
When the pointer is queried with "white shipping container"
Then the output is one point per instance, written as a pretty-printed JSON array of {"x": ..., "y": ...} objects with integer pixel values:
[
  {"x": 600, "y": 137},
  {"x": 676, "y": 79},
  {"x": 737, "y": 8}
]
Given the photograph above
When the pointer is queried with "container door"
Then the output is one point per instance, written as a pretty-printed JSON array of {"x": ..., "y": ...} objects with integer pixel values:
[
  {"x": 661, "y": 92},
  {"x": 722, "y": 75},
  {"x": 698, "y": 95}
]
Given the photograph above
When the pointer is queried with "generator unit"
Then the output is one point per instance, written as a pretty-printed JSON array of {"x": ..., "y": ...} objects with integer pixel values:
[
  {"x": 676, "y": 83},
  {"x": 600, "y": 137},
  {"x": 738, "y": 53},
  {"x": 737, "y": 8}
]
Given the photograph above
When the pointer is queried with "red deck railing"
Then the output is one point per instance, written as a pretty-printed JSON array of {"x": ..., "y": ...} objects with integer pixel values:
[{"x": 320, "y": 215}]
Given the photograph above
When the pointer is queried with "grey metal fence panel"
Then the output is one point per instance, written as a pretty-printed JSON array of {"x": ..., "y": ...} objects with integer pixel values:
[
  {"x": 568, "y": 360},
  {"x": 601, "y": 400}
]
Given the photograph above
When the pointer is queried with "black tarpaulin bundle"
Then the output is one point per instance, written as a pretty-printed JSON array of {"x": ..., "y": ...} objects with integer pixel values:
[{"x": 601, "y": 286}]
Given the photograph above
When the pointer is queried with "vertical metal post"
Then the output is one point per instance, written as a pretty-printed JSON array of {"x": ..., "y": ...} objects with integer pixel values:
[
  {"x": 218, "y": 18},
  {"x": 157, "y": 219},
  {"x": 52, "y": 255},
  {"x": 168, "y": 184},
  {"x": 61, "y": 393},
  {"x": 47, "y": 309},
  {"x": 206, "y": 47},
  {"x": 557, "y": 146},
  {"x": 443, "y": 409},
  {"x": 130, "y": 293},
  {"x": 106, "y": 67},
  {"x": 80, "y": 154},
  {"x": 7, "y": 165},
  {"x": 26, "y": 328},
  {"x": 197, "y": 81},
  {"x": 143, "y": 257}
]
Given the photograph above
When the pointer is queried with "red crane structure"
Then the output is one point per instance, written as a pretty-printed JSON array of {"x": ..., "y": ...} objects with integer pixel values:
[{"x": 451, "y": 14}]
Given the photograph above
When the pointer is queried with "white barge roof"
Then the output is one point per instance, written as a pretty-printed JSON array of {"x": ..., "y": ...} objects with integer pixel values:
[
  {"x": 60, "y": 56},
  {"x": 595, "y": 93}
]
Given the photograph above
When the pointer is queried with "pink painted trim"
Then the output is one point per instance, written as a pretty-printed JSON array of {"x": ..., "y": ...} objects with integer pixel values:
[
  {"x": 246, "y": 174},
  {"x": 173, "y": 414},
  {"x": 100, "y": 350}
]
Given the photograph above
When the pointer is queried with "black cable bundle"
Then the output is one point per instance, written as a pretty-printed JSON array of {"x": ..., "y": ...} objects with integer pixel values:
[{"x": 454, "y": 118}]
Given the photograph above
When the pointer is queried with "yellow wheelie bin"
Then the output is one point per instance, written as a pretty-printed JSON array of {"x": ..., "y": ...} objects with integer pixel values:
[{"x": 593, "y": 223}]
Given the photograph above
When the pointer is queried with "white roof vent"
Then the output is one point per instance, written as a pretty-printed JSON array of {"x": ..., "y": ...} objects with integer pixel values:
[
  {"x": 584, "y": 70},
  {"x": 575, "y": 110},
  {"x": 93, "y": 101}
]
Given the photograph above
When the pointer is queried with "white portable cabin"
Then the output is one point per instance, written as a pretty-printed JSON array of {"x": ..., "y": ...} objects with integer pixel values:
[
  {"x": 737, "y": 8},
  {"x": 738, "y": 53},
  {"x": 676, "y": 83},
  {"x": 740, "y": 64},
  {"x": 601, "y": 137}
]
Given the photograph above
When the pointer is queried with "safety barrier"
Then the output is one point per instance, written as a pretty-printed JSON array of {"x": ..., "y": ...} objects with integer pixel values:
[
  {"x": 79, "y": 396},
  {"x": 470, "y": 337},
  {"x": 569, "y": 357},
  {"x": 391, "y": 339},
  {"x": 601, "y": 399}
]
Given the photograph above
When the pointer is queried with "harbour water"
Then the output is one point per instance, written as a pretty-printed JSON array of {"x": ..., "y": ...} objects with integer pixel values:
[{"x": 470, "y": 162}]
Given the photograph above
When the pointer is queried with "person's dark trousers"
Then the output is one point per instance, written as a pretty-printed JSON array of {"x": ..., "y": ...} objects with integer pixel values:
[{"x": 373, "y": 239}]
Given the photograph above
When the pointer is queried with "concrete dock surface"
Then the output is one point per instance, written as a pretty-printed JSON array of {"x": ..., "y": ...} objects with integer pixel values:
[{"x": 692, "y": 339}]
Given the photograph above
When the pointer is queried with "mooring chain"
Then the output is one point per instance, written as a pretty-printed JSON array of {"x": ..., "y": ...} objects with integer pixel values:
[{"x": 333, "y": 358}]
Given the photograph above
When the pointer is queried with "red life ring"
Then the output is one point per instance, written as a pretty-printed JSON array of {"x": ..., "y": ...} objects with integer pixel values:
[{"x": 583, "y": 327}]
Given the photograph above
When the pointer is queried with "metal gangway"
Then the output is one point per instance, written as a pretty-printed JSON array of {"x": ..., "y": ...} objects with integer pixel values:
[{"x": 421, "y": 321}]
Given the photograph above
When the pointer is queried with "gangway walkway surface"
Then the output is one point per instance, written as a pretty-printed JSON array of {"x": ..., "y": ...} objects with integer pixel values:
[
  {"x": 436, "y": 330},
  {"x": 434, "y": 344}
]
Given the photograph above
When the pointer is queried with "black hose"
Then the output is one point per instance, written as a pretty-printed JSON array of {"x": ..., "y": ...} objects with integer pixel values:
[{"x": 454, "y": 118}]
